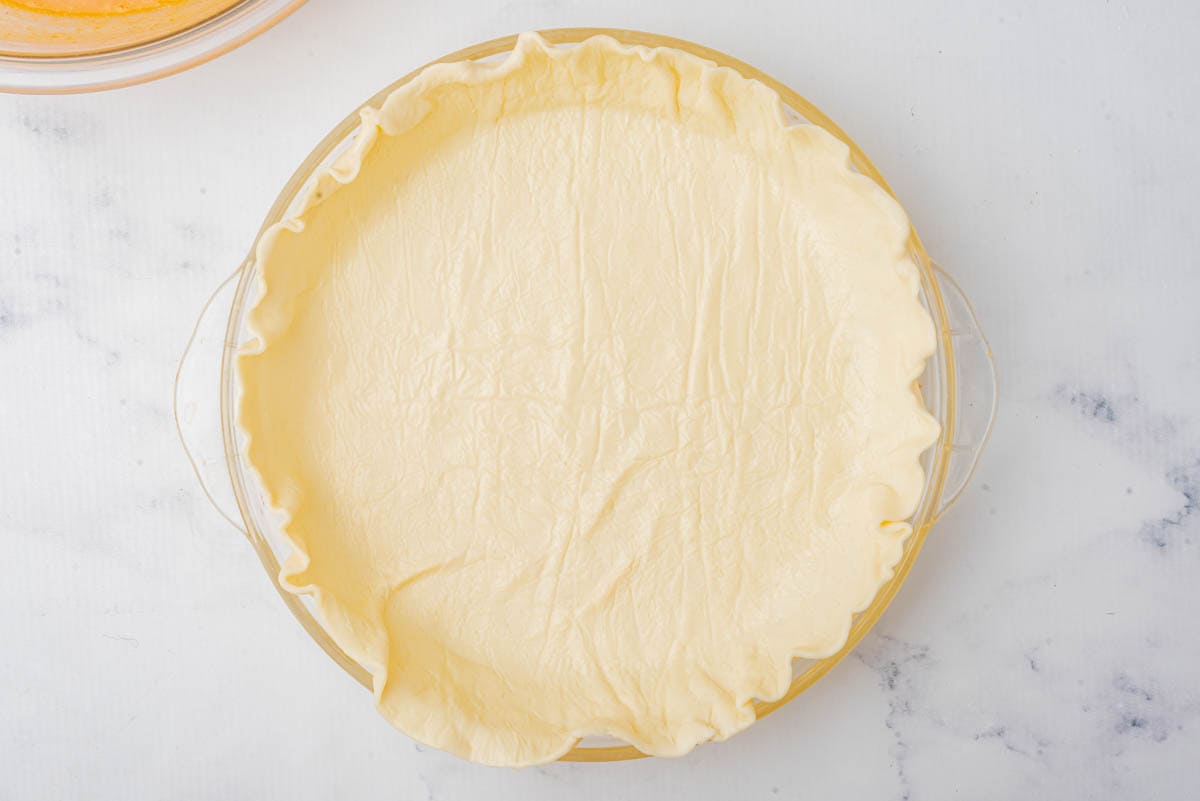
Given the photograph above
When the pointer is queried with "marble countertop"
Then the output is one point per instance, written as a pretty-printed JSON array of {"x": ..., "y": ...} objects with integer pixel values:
[{"x": 1046, "y": 644}]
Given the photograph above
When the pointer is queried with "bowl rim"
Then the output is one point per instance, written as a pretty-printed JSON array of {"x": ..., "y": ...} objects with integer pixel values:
[
  {"x": 144, "y": 61},
  {"x": 941, "y": 365}
]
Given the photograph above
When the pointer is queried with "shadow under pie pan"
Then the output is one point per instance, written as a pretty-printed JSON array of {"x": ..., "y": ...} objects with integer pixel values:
[{"x": 958, "y": 385}]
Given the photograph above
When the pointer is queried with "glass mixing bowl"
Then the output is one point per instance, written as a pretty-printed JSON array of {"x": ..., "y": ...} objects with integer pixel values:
[
  {"x": 958, "y": 385},
  {"x": 44, "y": 53}
]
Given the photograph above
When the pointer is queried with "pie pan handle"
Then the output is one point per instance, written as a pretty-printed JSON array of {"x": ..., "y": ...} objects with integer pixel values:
[
  {"x": 973, "y": 396},
  {"x": 197, "y": 402},
  {"x": 974, "y": 391}
]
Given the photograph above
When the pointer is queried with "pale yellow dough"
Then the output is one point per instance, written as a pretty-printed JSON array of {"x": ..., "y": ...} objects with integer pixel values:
[{"x": 587, "y": 385}]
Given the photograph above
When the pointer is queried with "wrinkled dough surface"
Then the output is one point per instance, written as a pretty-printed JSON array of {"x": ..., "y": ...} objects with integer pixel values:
[{"x": 588, "y": 389}]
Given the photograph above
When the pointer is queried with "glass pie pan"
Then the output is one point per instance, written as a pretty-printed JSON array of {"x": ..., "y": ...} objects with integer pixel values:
[
  {"x": 958, "y": 386},
  {"x": 101, "y": 55}
]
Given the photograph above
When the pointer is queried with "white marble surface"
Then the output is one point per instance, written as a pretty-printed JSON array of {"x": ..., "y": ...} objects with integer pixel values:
[{"x": 1047, "y": 644}]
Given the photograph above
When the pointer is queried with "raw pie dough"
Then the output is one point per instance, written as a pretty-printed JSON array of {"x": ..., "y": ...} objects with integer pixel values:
[{"x": 587, "y": 386}]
